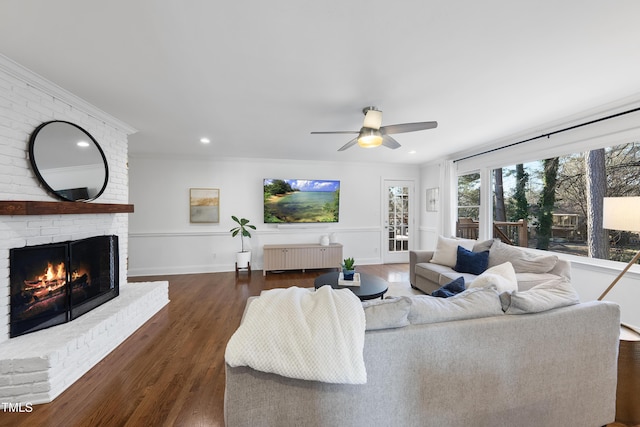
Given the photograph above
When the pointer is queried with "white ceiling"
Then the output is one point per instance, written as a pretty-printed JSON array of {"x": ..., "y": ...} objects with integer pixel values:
[{"x": 257, "y": 77}]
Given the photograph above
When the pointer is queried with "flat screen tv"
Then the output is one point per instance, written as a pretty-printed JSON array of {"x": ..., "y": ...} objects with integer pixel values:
[{"x": 291, "y": 201}]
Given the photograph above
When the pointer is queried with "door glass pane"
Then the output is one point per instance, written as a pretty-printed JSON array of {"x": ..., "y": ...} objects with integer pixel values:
[{"x": 398, "y": 238}]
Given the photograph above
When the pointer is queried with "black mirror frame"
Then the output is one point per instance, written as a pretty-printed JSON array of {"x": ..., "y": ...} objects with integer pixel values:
[{"x": 34, "y": 166}]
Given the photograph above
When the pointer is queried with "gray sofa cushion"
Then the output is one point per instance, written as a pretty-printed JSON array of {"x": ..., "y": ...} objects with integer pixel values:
[
  {"x": 388, "y": 313},
  {"x": 527, "y": 281},
  {"x": 440, "y": 273},
  {"x": 549, "y": 295},
  {"x": 523, "y": 261},
  {"x": 433, "y": 271},
  {"x": 449, "y": 275},
  {"x": 470, "y": 304}
]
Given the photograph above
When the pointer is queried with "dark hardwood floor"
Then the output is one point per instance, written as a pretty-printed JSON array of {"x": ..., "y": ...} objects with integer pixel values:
[{"x": 170, "y": 372}]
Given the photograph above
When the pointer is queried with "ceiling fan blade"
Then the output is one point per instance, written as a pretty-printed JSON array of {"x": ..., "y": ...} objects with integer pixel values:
[
  {"x": 387, "y": 141},
  {"x": 372, "y": 119},
  {"x": 336, "y": 131},
  {"x": 408, "y": 127},
  {"x": 349, "y": 144}
]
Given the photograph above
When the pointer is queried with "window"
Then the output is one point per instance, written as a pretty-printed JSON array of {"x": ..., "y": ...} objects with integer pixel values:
[
  {"x": 556, "y": 204},
  {"x": 468, "y": 205},
  {"x": 398, "y": 209}
]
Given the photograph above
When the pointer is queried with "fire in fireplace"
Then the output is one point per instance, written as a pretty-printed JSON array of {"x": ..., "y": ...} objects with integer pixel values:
[{"x": 56, "y": 283}]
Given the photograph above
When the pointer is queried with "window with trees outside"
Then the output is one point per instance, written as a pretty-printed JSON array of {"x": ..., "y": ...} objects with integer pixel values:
[
  {"x": 556, "y": 204},
  {"x": 468, "y": 205}
]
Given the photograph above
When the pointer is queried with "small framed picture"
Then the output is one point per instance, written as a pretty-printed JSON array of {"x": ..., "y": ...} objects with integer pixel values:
[
  {"x": 204, "y": 205},
  {"x": 433, "y": 200}
]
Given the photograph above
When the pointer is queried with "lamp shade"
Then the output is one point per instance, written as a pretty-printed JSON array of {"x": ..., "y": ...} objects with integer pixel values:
[
  {"x": 369, "y": 138},
  {"x": 621, "y": 213}
]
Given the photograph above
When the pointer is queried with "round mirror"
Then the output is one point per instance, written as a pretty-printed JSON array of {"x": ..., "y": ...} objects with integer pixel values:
[{"x": 68, "y": 161}]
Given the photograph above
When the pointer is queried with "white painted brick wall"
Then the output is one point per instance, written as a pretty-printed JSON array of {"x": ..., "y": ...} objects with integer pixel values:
[
  {"x": 37, "y": 367},
  {"x": 23, "y": 107}
]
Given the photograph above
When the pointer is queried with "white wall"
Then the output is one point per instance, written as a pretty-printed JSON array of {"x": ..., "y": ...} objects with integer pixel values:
[
  {"x": 162, "y": 241},
  {"x": 591, "y": 277},
  {"x": 430, "y": 221}
]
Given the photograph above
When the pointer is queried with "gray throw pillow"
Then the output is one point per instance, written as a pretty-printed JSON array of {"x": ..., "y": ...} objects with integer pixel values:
[
  {"x": 481, "y": 246},
  {"x": 546, "y": 296},
  {"x": 523, "y": 261},
  {"x": 387, "y": 313}
]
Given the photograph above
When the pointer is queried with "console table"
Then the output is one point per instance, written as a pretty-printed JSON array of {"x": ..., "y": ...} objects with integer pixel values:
[{"x": 301, "y": 257}]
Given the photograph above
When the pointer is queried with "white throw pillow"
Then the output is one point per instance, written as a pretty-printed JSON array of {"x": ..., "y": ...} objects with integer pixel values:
[
  {"x": 446, "y": 252},
  {"x": 502, "y": 276},
  {"x": 546, "y": 296}
]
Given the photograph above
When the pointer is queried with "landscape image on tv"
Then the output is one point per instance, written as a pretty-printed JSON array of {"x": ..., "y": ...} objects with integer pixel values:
[{"x": 301, "y": 200}]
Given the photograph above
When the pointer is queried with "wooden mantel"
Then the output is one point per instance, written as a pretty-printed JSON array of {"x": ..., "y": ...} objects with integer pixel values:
[{"x": 27, "y": 207}]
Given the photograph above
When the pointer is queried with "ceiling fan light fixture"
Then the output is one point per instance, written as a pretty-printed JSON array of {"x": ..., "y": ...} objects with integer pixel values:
[{"x": 369, "y": 138}]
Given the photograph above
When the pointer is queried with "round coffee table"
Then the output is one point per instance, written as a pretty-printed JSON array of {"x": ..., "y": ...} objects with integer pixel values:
[{"x": 370, "y": 286}]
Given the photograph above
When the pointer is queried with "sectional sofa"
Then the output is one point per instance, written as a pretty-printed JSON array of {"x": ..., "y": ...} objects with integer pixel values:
[
  {"x": 429, "y": 270},
  {"x": 478, "y": 359}
]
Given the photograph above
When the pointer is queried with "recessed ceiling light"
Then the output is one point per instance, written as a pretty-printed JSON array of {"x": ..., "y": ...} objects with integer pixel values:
[
  {"x": 412, "y": 152},
  {"x": 205, "y": 140},
  {"x": 82, "y": 144}
]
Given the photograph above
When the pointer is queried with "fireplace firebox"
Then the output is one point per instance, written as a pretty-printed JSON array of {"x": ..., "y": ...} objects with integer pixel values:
[{"x": 56, "y": 283}]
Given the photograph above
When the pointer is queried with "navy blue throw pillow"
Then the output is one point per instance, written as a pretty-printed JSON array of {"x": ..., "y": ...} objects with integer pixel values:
[
  {"x": 471, "y": 262},
  {"x": 450, "y": 289}
]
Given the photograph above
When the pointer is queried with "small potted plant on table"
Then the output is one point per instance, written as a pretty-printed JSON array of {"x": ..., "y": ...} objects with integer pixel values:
[{"x": 348, "y": 268}]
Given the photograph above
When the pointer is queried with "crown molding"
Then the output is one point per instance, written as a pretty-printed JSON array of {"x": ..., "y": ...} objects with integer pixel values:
[
  {"x": 611, "y": 108},
  {"x": 32, "y": 79}
]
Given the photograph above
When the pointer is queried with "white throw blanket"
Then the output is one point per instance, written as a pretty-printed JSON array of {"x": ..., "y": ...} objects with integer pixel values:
[{"x": 301, "y": 333}]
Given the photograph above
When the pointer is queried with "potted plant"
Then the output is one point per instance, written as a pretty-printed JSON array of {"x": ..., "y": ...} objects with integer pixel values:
[
  {"x": 348, "y": 268},
  {"x": 243, "y": 258}
]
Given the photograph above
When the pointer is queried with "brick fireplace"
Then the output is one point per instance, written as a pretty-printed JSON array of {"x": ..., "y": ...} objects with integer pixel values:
[{"x": 38, "y": 366}]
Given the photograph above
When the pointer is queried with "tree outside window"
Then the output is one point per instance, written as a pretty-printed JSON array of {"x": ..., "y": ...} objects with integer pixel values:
[
  {"x": 560, "y": 200},
  {"x": 468, "y": 205}
]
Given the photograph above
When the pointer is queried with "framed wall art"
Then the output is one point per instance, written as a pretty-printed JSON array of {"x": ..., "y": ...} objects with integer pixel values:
[
  {"x": 433, "y": 200},
  {"x": 204, "y": 205}
]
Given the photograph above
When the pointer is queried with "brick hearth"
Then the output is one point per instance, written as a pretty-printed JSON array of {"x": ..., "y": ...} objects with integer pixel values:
[{"x": 37, "y": 367}]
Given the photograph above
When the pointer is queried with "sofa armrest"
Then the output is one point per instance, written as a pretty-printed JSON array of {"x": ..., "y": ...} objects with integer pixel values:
[{"x": 416, "y": 257}]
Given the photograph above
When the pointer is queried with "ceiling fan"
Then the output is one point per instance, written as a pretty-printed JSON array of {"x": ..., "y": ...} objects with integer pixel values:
[{"x": 372, "y": 134}]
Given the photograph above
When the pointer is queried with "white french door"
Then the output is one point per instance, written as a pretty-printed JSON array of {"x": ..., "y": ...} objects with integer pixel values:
[{"x": 397, "y": 220}]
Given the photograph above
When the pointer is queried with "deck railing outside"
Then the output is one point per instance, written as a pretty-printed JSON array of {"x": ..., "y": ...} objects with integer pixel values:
[{"x": 513, "y": 233}]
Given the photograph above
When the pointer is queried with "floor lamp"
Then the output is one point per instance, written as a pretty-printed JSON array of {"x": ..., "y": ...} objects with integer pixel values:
[{"x": 623, "y": 213}]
